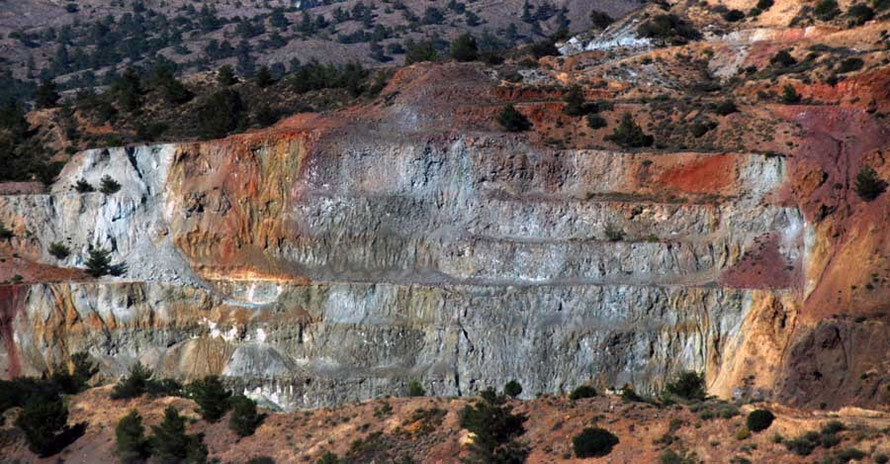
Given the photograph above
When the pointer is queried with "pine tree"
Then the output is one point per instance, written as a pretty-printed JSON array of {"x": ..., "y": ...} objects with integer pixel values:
[
  {"x": 225, "y": 76},
  {"x": 264, "y": 77},
  {"x": 128, "y": 89},
  {"x": 630, "y": 135},
  {"x": 512, "y": 120},
  {"x": 464, "y": 48},
  {"x": 135, "y": 384},
  {"x": 868, "y": 185},
  {"x": 245, "y": 419},
  {"x": 575, "y": 101},
  {"x": 132, "y": 445},
  {"x": 46, "y": 95},
  {"x": 44, "y": 420},
  {"x": 169, "y": 442},
  {"x": 212, "y": 396},
  {"x": 99, "y": 262},
  {"x": 496, "y": 430}
]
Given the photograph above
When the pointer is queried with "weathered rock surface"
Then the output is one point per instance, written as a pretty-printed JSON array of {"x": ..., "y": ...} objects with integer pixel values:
[{"x": 336, "y": 258}]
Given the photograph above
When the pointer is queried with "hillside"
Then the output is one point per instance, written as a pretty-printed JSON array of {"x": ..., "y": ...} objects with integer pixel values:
[{"x": 682, "y": 189}]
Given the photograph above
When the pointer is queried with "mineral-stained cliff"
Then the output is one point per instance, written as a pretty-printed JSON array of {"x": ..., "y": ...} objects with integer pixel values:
[{"x": 338, "y": 257}]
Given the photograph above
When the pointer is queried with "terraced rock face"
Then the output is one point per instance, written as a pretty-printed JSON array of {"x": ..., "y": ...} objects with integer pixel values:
[{"x": 336, "y": 258}]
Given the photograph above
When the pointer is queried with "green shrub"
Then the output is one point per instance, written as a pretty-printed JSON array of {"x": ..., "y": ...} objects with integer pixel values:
[
  {"x": 868, "y": 185},
  {"x": 261, "y": 460},
  {"x": 600, "y": 20},
  {"x": 132, "y": 446},
  {"x": 783, "y": 58},
  {"x": 743, "y": 434},
  {"x": 212, "y": 397},
  {"x": 109, "y": 186},
  {"x": 734, "y": 16},
  {"x": 245, "y": 419},
  {"x": 668, "y": 27},
  {"x": 764, "y": 5},
  {"x": 670, "y": 456},
  {"x": 630, "y": 135},
  {"x": 82, "y": 186},
  {"x": 880, "y": 5},
  {"x": 689, "y": 385},
  {"x": 726, "y": 107},
  {"x": 135, "y": 384},
  {"x": 225, "y": 76},
  {"x": 700, "y": 128},
  {"x": 789, "y": 95},
  {"x": 73, "y": 377},
  {"x": 496, "y": 429},
  {"x": 850, "y": 65},
  {"x": 882, "y": 459},
  {"x": 417, "y": 52},
  {"x": 511, "y": 120},
  {"x": 595, "y": 121},
  {"x": 464, "y": 48},
  {"x": 513, "y": 389},
  {"x": 826, "y": 10},
  {"x": 801, "y": 446},
  {"x": 415, "y": 389},
  {"x": 5, "y": 232},
  {"x": 220, "y": 113},
  {"x": 759, "y": 420},
  {"x": 583, "y": 391},
  {"x": 575, "y": 101},
  {"x": 860, "y": 14},
  {"x": 264, "y": 77},
  {"x": 58, "y": 250},
  {"x": 44, "y": 422},
  {"x": 593, "y": 442}
]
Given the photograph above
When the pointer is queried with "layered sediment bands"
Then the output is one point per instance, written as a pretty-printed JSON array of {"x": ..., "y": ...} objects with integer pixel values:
[
  {"x": 337, "y": 258},
  {"x": 310, "y": 273}
]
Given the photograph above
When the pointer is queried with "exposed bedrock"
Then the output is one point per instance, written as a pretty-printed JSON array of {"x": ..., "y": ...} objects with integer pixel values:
[{"x": 309, "y": 271}]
